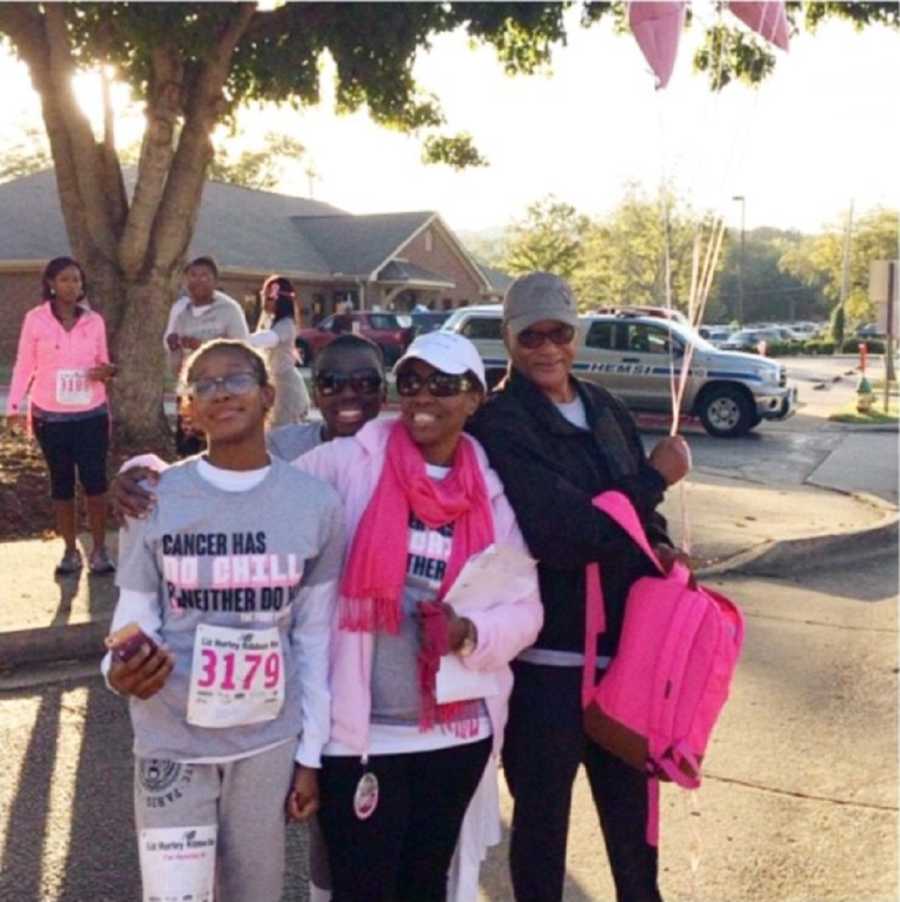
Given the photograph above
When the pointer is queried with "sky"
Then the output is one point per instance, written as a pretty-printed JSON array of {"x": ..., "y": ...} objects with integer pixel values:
[{"x": 820, "y": 132}]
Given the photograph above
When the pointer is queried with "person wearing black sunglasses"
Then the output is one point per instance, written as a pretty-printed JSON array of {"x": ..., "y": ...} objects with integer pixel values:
[
  {"x": 349, "y": 389},
  {"x": 556, "y": 442}
]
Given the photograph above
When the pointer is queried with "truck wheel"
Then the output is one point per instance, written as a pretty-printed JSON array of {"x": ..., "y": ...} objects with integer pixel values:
[
  {"x": 727, "y": 412},
  {"x": 305, "y": 352}
]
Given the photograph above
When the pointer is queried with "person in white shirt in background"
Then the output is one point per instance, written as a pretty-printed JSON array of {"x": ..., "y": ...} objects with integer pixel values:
[
  {"x": 228, "y": 587},
  {"x": 276, "y": 335},
  {"x": 199, "y": 316}
]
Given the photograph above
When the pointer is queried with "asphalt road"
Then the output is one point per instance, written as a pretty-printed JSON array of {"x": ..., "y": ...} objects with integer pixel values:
[{"x": 799, "y": 804}]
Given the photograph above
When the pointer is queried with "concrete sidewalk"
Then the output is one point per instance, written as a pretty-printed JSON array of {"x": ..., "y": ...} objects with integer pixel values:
[{"x": 46, "y": 618}]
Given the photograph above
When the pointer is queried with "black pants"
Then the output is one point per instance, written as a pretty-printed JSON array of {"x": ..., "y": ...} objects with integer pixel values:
[
  {"x": 402, "y": 852},
  {"x": 544, "y": 746},
  {"x": 68, "y": 445}
]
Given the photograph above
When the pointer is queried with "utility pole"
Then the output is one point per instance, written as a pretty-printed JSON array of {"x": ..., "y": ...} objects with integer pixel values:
[
  {"x": 312, "y": 177},
  {"x": 740, "y": 307}
]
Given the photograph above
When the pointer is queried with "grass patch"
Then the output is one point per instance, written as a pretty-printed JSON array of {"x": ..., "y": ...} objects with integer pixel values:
[{"x": 876, "y": 415}]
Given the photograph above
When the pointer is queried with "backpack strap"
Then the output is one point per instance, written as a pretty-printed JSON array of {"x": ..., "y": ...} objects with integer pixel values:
[
  {"x": 594, "y": 626},
  {"x": 618, "y": 507}
]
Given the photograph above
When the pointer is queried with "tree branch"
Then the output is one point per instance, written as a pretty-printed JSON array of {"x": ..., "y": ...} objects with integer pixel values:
[
  {"x": 157, "y": 150},
  {"x": 205, "y": 106},
  {"x": 86, "y": 159},
  {"x": 116, "y": 198}
]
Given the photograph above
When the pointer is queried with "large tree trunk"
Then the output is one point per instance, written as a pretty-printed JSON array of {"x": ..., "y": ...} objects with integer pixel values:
[{"x": 137, "y": 348}]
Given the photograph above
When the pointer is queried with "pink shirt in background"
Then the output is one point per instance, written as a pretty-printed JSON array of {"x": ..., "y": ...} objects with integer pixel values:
[{"x": 53, "y": 363}]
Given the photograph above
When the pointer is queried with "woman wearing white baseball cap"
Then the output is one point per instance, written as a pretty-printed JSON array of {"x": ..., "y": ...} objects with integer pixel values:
[{"x": 419, "y": 500}]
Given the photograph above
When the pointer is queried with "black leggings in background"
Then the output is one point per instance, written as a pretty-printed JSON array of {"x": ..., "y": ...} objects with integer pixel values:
[
  {"x": 402, "y": 852},
  {"x": 71, "y": 444},
  {"x": 543, "y": 748}
]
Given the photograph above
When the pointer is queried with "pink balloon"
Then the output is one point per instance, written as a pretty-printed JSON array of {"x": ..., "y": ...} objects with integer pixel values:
[
  {"x": 768, "y": 19},
  {"x": 657, "y": 29}
]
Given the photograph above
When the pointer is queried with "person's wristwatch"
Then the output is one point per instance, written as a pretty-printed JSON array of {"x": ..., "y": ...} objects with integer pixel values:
[{"x": 470, "y": 642}]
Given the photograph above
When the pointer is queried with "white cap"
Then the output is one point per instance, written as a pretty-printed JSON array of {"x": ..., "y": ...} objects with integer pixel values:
[{"x": 448, "y": 352}]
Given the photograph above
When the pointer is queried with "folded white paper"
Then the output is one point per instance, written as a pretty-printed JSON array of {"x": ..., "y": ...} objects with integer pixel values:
[{"x": 497, "y": 575}]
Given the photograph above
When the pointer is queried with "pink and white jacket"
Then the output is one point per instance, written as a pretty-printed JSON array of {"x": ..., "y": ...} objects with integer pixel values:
[
  {"x": 47, "y": 351},
  {"x": 353, "y": 466}
]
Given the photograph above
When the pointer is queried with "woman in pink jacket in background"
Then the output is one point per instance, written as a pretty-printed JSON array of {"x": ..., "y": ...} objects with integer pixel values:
[
  {"x": 63, "y": 364},
  {"x": 420, "y": 500}
]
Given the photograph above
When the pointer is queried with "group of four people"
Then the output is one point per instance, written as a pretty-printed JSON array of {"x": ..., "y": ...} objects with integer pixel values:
[{"x": 296, "y": 624}]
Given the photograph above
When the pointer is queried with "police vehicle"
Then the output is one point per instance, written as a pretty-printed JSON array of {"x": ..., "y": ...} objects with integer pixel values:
[{"x": 635, "y": 356}]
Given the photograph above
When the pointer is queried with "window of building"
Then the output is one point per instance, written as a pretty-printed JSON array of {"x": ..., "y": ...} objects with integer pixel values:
[{"x": 429, "y": 241}]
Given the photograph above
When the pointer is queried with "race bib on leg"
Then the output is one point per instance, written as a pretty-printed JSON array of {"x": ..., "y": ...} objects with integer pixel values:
[
  {"x": 73, "y": 389},
  {"x": 237, "y": 677},
  {"x": 178, "y": 864}
]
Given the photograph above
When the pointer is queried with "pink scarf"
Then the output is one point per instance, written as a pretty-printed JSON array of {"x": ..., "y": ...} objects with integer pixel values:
[{"x": 373, "y": 580}]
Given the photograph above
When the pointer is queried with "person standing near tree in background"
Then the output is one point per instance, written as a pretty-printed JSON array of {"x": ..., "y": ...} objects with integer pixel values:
[
  {"x": 63, "y": 360},
  {"x": 276, "y": 335},
  {"x": 199, "y": 316}
]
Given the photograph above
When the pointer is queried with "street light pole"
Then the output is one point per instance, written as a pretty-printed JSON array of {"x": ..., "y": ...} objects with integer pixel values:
[{"x": 740, "y": 308}]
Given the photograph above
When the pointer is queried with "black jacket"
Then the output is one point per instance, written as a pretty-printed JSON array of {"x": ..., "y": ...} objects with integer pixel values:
[{"x": 551, "y": 470}]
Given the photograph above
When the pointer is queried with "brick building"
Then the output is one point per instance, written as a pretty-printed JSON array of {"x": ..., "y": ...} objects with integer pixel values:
[{"x": 391, "y": 261}]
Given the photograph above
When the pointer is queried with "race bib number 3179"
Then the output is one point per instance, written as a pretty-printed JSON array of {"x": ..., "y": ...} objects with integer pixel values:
[{"x": 237, "y": 677}]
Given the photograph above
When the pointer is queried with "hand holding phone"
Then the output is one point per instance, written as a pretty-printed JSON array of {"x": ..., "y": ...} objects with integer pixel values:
[{"x": 139, "y": 666}]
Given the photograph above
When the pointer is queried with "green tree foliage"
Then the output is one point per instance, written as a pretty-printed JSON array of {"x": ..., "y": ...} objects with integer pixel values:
[
  {"x": 818, "y": 261},
  {"x": 549, "y": 238},
  {"x": 624, "y": 255},
  {"x": 262, "y": 168},
  {"x": 730, "y": 52},
  {"x": 770, "y": 293},
  {"x": 837, "y": 323}
]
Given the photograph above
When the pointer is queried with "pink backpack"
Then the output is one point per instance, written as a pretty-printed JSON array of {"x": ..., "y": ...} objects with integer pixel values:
[{"x": 656, "y": 705}]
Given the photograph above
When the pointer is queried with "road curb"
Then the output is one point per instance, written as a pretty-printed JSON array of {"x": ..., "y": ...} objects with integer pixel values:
[
  {"x": 803, "y": 554},
  {"x": 49, "y": 644},
  {"x": 82, "y": 641}
]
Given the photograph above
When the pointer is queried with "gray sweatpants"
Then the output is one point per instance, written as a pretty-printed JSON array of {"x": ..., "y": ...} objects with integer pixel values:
[{"x": 179, "y": 807}]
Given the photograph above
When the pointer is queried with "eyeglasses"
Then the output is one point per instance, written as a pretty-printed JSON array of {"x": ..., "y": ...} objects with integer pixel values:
[
  {"x": 363, "y": 382},
  {"x": 240, "y": 383},
  {"x": 532, "y": 339},
  {"x": 440, "y": 385}
]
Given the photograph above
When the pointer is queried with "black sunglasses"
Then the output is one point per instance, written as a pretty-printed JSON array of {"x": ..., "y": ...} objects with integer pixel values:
[
  {"x": 363, "y": 382},
  {"x": 531, "y": 339},
  {"x": 440, "y": 385}
]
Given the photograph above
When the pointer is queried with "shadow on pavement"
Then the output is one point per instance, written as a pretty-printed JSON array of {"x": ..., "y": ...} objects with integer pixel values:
[
  {"x": 27, "y": 828},
  {"x": 68, "y": 589},
  {"x": 495, "y": 881}
]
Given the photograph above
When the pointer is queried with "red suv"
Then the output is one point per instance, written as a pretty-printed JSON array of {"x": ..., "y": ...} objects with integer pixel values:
[{"x": 392, "y": 332}]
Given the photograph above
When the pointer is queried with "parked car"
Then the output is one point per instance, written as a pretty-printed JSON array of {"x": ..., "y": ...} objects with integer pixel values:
[
  {"x": 392, "y": 332},
  {"x": 870, "y": 330},
  {"x": 428, "y": 322},
  {"x": 749, "y": 339},
  {"x": 634, "y": 356},
  {"x": 715, "y": 335}
]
